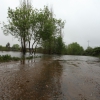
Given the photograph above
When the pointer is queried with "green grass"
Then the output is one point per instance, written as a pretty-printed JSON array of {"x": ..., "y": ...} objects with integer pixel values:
[{"x": 6, "y": 58}]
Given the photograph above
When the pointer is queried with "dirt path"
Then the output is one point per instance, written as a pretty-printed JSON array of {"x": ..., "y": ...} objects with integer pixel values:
[{"x": 47, "y": 79}]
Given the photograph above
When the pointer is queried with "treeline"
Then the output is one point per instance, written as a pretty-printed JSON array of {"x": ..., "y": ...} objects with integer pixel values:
[
  {"x": 92, "y": 51},
  {"x": 15, "y": 47},
  {"x": 58, "y": 47}
]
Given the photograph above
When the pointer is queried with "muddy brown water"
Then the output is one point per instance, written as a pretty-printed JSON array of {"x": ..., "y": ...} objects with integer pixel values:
[{"x": 51, "y": 78}]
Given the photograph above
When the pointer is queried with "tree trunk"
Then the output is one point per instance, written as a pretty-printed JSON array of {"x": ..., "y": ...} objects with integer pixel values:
[{"x": 29, "y": 48}]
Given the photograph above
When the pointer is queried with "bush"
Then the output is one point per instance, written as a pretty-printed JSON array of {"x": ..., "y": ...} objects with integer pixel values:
[
  {"x": 31, "y": 57},
  {"x": 5, "y": 58},
  {"x": 15, "y": 58}
]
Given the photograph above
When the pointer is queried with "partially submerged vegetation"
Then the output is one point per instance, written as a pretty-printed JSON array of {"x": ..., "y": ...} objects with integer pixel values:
[{"x": 6, "y": 58}]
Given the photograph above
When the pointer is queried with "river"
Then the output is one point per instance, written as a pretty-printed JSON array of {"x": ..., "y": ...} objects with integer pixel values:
[
  {"x": 65, "y": 77},
  {"x": 16, "y": 54}
]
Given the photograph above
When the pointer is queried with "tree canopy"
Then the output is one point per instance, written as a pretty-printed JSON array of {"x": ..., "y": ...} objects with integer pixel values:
[
  {"x": 15, "y": 47},
  {"x": 74, "y": 49},
  {"x": 32, "y": 26}
]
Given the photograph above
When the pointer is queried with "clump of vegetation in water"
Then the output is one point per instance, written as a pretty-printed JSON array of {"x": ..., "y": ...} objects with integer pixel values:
[
  {"x": 15, "y": 58},
  {"x": 31, "y": 57},
  {"x": 6, "y": 58}
]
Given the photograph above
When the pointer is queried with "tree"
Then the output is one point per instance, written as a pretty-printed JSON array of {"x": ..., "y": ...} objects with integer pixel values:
[
  {"x": 88, "y": 51},
  {"x": 8, "y": 45},
  {"x": 74, "y": 49},
  {"x": 32, "y": 26},
  {"x": 19, "y": 24},
  {"x": 52, "y": 33},
  {"x": 44, "y": 28},
  {"x": 96, "y": 51},
  {"x": 92, "y": 51},
  {"x": 15, "y": 47},
  {"x": 0, "y": 46},
  {"x": 56, "y": 46},
  {"x": 59, "y": 45}
]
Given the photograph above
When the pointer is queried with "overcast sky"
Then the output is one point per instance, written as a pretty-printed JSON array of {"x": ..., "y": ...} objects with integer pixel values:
[{"x": 82, "y": 19}]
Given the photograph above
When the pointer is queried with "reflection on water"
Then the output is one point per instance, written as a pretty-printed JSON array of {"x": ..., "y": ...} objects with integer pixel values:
[
  {"x": 48, "y": 83},
  {"x": 15, "y": 54},
  {"x": 36, "y": 83}
]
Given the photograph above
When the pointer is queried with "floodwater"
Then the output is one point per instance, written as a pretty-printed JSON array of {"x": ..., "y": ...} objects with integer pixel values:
[
  {"x": 51, "y": 78},
  {"x": 16, "y": 54}
]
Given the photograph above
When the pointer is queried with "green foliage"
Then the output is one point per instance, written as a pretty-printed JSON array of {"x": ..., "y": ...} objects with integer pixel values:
[
  {"x": 74, "y": 49},
  {"x": 15, "y": 47},
  {"x": 5, "y": 58},
  {"x": 88, "y": 51},
  {"x": 59, "y": 45},
  {"x": 54, "y": 46},
  {"x": 3, "y": 48},
  {"x": 96, "y": 51},
  {"x": 28, "y": 24},
  {"x": 0, "y": 46},
  {"x": 92, "y": 51},
  {"x": 19, "y": 23},
  {"x": 31, "y": 57},
  {"x": 15, "y": 58}
]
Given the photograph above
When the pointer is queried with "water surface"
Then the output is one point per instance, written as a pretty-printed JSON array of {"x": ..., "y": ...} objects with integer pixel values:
[{"x": 51, "y": 78}]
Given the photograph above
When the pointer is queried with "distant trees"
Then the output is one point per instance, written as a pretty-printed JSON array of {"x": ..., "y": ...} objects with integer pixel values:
[
  {"x": 75, "y": 49},
  {"x": 15, "y": 47},
  {"x": 8, "y": 45},
  {"x": 0, "y": 46},
  {"x": 88, "y": 51},
  {"x": 5, "y": 48},
  {"x": 96, "y": 51},
  {"x": 92, "y": 51}
]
